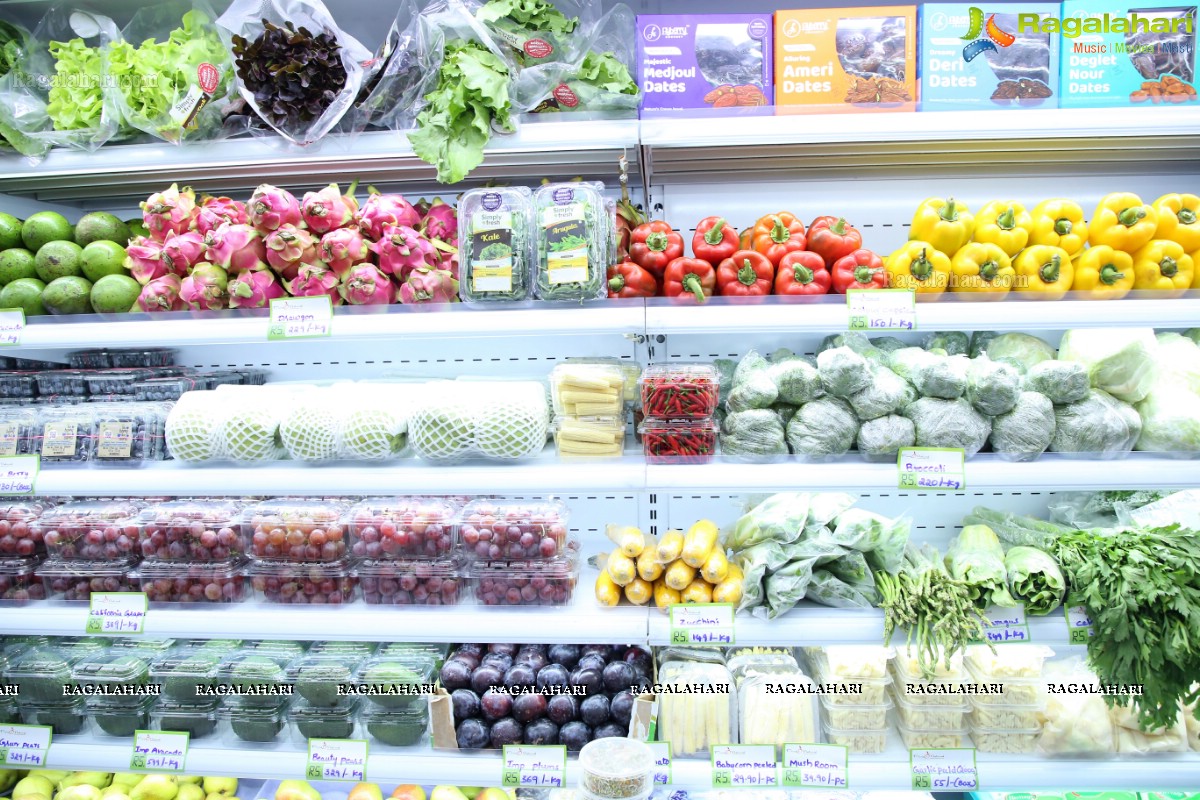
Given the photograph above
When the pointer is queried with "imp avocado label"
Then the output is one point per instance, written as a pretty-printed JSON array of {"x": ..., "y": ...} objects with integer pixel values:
[
  {"x": 12, "y": 326},
  {"x": 159, "y": 751}
]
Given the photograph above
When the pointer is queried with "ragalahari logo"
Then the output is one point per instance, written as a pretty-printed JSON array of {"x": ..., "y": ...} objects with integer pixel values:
[{"x": 978, "y": 43}]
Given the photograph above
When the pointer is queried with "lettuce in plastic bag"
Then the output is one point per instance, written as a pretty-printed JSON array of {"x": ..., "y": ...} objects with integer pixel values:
[
  {"x": 829, "y": 589},
  {"x": 1120, "y": 361},
  {"x": 779, "y": 518},
  {"x": 1019, "y": 349}
]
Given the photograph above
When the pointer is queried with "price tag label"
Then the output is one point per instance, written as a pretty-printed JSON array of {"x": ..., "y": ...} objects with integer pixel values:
[
  {"x": 938, "y": 469},
  {"x": 882, "y": 309},
  {"x": 12, "y": 326},
  {"x": 24, "y": 745},
  {"x": 159, "y": 751},
  {"x": 1007, "y": 625},
  {"x": 18, "y": 474},
  {"x": 1079, "y": 621},
  {"x": 300, "y": 318},
  {"x": 702, "y": 623},
  {"x": 744, "y": 765},
  {"x": 542, "y": 765},
  {"x": 820, "y": 766},
  {"x": 944, "y": 770},
  {"x": 117, "y": 613},
  {"x": 336, "y": 760},
  {"x": 662, "y": 762}
]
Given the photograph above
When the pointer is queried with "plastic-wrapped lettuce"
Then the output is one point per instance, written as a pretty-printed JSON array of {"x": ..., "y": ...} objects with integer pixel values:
[
  {"x": 948, "y": 423},
  {"x": 1026, "y": 431},
  {"x": 725, "y": 368},
  {"x": 823, "y": 428},
  {"x": 843, "y": 371},
  {"x": 830, "y": 589},
  {"x": 756, "y": 391},
  {"x": 754, "y": 563},
  {"x": 888, "y": 344},
  {"x": 749, "y": 364},
  {"x": 881, "y": 439},
  {"x": 1061, "y": 381},
  {"x": 1099, "y": 425},
  {"x": 779, "y": 518},
  {"x": 1019, "y": 349},
  {"x": 886, "y": 392},
  {"x": 1170, "y": 417},
  {"x": 933, "y": 375},
  {"x": 881, "y": 538},
  {"x": 796, "y": 380},
  {"x": 785, "y": 412},
  {"x": 1120, "y": 361},
  {"x": 1034, "y": 579},
  {"x": 992, "y": 387},
  {"x": 951, "y": 343},
  {"x": 785, "y": 587},
  {"x": 1178, "y": 361},
  {"x": 757, "y": 433},
  {"x": 979, "y": 342}
]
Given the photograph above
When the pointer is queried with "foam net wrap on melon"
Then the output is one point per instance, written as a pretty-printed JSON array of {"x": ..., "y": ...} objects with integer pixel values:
[
  {"x": 193, "y": 428},
  {"x": 374, "y": 424},
  {"x": 513, "y": 422},
  {"x": 442, "y": 425},
  {"x": 309, "y": 430},
  {"x": 252, "y": 434}
]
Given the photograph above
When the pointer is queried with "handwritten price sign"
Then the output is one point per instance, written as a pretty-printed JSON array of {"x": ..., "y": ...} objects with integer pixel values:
[
  {"x": 815, "y": 766},
  {"x": 159, "y": 751},
  {"x": 534, "y": 766},
  {"x": 944, "y": 770},
  {"x": 24, "y": 745},
  {"x": 937, "y": 469},
  {"x": 337, "y": 760},
  {"x": 882, "y": 309},
  {"x": 300, "y": 318},
  {"x": 116, "y": 613},
  {"x": 702, "y": 623}
]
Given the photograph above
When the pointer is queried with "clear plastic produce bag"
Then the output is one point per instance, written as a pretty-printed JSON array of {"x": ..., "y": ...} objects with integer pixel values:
[{"x": 541, "y": 31}]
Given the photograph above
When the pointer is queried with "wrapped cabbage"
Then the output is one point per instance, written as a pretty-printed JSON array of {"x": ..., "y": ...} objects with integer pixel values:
[
  {"x": 951, "y": 343},
  {"x": 1019, "y": 349},
  {"x": 1098, "y": 424},
  {"x": 1119, "y": 361},
  {"x": 785, "y": 412},
  {"x": 908, "y": 361},
  {"x": 979, "y": 342},
  {"x": 1061, "y": 381},
  {"x": 779, "y": 518},
  {"x": 1026, "y": 431},
  {"x": 725, "y": 369},
  {"x": 797, "y": 381},
  {"x": 888, "y": 344},
  {"x": 944, "y": 377},
  {"x": 757, "y": 433},
  {"x": 1178, "y": 361},
  {"x": 1034, "y": 579},
  {"x": 855, "y": 340},
  {"x": 881, "y": 439},
  {"x": 755, "y": 391},
  {"x": 822, "y": 428},
  {"x": 992, "y": 387},
  {"x": 782, "y": 354},
  {"x": 843, "y": 371},
  {"x": 885, "y": 394},
  {"x": 948, "y": 423},
  {"x": 830, "y": 589},
  {"x": 751, "y": 363},
  {"x": 976, "y": 558},
  {"x": 1170, "y": 417}
]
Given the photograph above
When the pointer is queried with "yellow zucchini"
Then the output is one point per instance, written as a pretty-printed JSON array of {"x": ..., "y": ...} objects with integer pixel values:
[{"x": 699, "y": 542}]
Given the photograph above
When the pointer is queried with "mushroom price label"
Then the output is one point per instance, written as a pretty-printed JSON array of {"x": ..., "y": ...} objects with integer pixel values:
[
  {"x": 116, "y": 613},
  {"x": 24, "y": 746},
  {"x": 741, "y": 766},
  {"x": 534, "y": 766},
  {"x": 944, "y": 770},
  {"x": 815, "y": 766},
  {"x": 336, "y": 760},
  {"x": 702, "y": 623},
  {"x": 18, "y": 474},
  {"x": 300, "y": 318},
  {"x": 933, "y": 469},
  {"x": 12, "y": 326},
  {"x": 662, "y": 762},
  {"x": 882, "y": 309},
  {"x": 159, "y": 751}
]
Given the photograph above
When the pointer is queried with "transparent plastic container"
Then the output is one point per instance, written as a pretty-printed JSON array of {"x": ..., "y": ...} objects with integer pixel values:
[
  {"x": 848, "y": 690},
  {"x": 587, "y": 390},
  {"x": 402, "y": 528},
  {"x": 572, "y": 235},
  {"x": 322, "y": 678},
  {"x": 397, "y": 683},
  {"x": 410, "y": 582},
  {"x": 349, "y": 650},
  {"x": 1005, "y": 740},
  {"x": 19, "y": 582},
  {"x": 18, "y": 384},
  {"x": 200, "y": 720},
  {"x": 692, "y": 441},
  {"x": 918, "y": 691},
  {"x": 692, "y": 723},
  {"x": 41, "y": 674},
  {"x": 122, "y": 718},
  {"x": 160, "y": 389},
  {"x": 395, "y": 728},
  {"x": 1013, "y": 691},
  {"x": 1023, "y": 662},
  {"x": 254, "y": 723},
  {"x": 100, "y": 530},
  {"x": 112, "y": 672},
  {"x": 75, "y": 580},
  {"x": 948, "y": 714},
  {"x": 856, "y": 718},
  {"x": 65, "y": 718},
  {"x": 319, "y": 722},
  {"x": 769, "y": 716},
  {"x": 524, "y": 583},
  {"x": 493, "y": 530},
  {"x": 906, "y": 663},
  {"x": 192, "y": 582},
  {"x": 33, "y": 364},
  {"x": 304, "y": 582},
  {"x": 1004, "y": 717},
  {"x": 66, "y": 434},
  {"x": 187, "y": 674},
  {"x": 147, "y": 357},
  {"x": 747, "y": 662},
  {"x": 208, "y": 529},
  {"x": 871, "y": 742},
  {"x": 295, "y": 530},
  {"x": 915, "y": 738},
  {"x": 19, "y": 536},
  {"x": 589, "y": 437},
  {"x": 128, "y": 434},
  {"x": 9, "y": 713},
  {"x": 433, "y": 651},
  {"x": 95, "y": 358},
  {"x": 279, "y": 648},
  {"x": 64, "y": 382},
  {"x": 679, "y": 390},
  {"x": 617, "y": 769},
  {"x": 630, "y": 369},
  {"x": 116, "y": 381},
  {"x": 256, "y": 678},
  {"x": 496, "y": 245},
  {"x": 851, "y": 660}
]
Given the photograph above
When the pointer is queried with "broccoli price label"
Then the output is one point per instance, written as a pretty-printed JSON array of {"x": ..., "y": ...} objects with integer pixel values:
[
  {"x": 12, "y": 326},
  {"x": 534, "y": 766},
  {"x": 944, "y": 770},
  {"x": 18, "y": 474},
  {"x": 159, "y": 751},
  {"x": 300, "y": 318},
  {"x": 337, "y": 760},
  {"x": 117, "y": 613},
  {"x": 935, "y": 469},
  {"x": 24, "y": 745},
  {"x": 882, "y": 309}
]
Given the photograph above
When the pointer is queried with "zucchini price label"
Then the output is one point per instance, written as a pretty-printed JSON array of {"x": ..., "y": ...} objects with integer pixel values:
[
  {"x": 336, "y": 760},
  {"x": 944, "y": 770},
  {"x": 938, "y": 469},
  {"x": 12, "y": 326},
  {"x": 882, "y": 309},
  {"x": 18, "y": 474},
  {"x": 542, "y": 765},
  {"x": 300, "y": 318},
  {"x": 815, "y": 766},
  {"x": 159, "y": 751},
  {"x": 24, "y": 746},
  {"x": 117, "y": 613},
  {"x": 702, "y": 623}
]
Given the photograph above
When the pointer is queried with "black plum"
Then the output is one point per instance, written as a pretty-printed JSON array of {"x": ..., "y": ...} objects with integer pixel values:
[
  {"x": 528, "y": 707},
  {"x": 486, "y": 677},
  {"x": 589, "y": 679},
  {"x": 552, "y": 675},
  {"x": 594, "y": 710},
  {"x": 473, "y": 734},
  {"x": 601, "y": 650},
  {"x": 608, "y": 731},
  {"x": 495, "y": 705},
  {"x": 455, "y": 675},
  {"x": 542, "y": 731},
  {"x": 502, "y": 661},
  {"x": 507, "y": 731},
  {"x": 520, "y": 676},
  {"x": 592, "y": 662},
  {"x": 621, "y": 708},
  {"x": 618, "y": 676},
  {"x": 565, "y": 654},
  {"x": 465, "y": 703},
  {"x": 574, "y": 735},
  {"x": 532, "y": 658},
  {"x": 506, "y": 649},
  {"x": 562, "y": 708}
]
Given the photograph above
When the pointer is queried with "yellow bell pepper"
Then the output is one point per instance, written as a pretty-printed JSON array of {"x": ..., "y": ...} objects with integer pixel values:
[
  {"x": 1060, "y": 223},
  {"x": 1162, "y": 266},
  {"x": 1006, "y": 224},
  {"x": 982, "y": 268},
  {"x": 1123, "y": 222},
  {"x": 1045, "y": 270},
  {"x": 945, "y": 224},
  {"x": 1179, "y": 219},
  {"x": 1102, "y": 273},
  {"x": 919, "y": 266},
  {"x": 1195, "y": 271}
]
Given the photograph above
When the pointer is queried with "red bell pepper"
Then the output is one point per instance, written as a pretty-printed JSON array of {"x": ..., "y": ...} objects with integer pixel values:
[
  {"x": 689, "y": 277},
  {"x": 802, "y": 273},
  {"x": 653, "y": 245},
  {"x": 862, "y": 269},
  {"x": 627, "y": 279},
  {"x": 745, "y": 274},
  {"x": 746, "y": 239},
  {"x": 715, "y": 240},
  {"x": 776, "y": 235},
  {"x": 832, "y": 238}
]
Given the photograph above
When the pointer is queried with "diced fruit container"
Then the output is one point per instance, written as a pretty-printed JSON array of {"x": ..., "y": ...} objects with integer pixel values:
[
  {"x": 949, "y": 714},
  {"x": 95, "y": 358},
  {"x": 304, "y": 582},
  {"x": 256, "y": 724},
  {"x": 41, "y": 674},
  {"x": 19, "y": 582},
  {"x": 101, "y": 530},
  {"x": 295, "y": 530},
  {"x": 256, "y": 678},
  {"x": 1024, "y": 662},
  {"x": 1005, "y": 740},
  {"x": 112, "y": 672},
  {"x": 841, "y": 661},
  {"x": 915, "y": 738},
  {"x": 116, "y": 381},
  {"x": 916, "y": 691},
  {"x": 18, "y": 535},
  {"x": 402, "y": 527},
  {"x": 679, "y": 391},
  {"x": 18, "y": 384},
  {"x": 128, "y": 434},
  {"x": 397, "y": 683},
  {"x": 848, "y": 690},
  {"x": 74, "y": 580},
  {"x": 66, "y": 718},
  {"x": 120, "y": 718},
  {"x": 617, "y": 768},
  {"x": 589, "y": 437},
  {"x": 856, "y": 718},
  {"x": 161, "y": 389},
  {"x": 857, "y": 742},
  {"x": 587, "y": 390},
  {"x": 66, "y": 434},
  {"x": 524, "y": 583},
  {"x": 148, "y": 357},
  {"x": 682, "y": 441},
  {"x": 1003, "y": 717},
  {"x": 395, "y": 728},
  {"x": 320, "y": 722},
  {"x": 192, "y": 582},
  {"x": 65, "y": 382},
  {"x": 319, "y": 678},
  {"x": 186, "y": 675},
  {"x": 1013, "y": 691},
  {"x": 410, "y": 582},
  {"x": 192, "y": 530},
  {"x": 494, "y": 530},
  {"x": 197, "y": 719}
]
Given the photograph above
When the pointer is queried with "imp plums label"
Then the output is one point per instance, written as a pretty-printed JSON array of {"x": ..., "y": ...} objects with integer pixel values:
[
  {"x": 159, "y": 751},
  {"x": 543, "y": 766},
  {"x": 18, "y": 474},
  {"x": 938, "y": 469},
  {"x": 882, "y": 309},
  {"x": 944, "y": 770},
  {"x": 116, "y": 614},
  {"x": 815, "y": 766},
  {"x": 702, "y": 623},
  {"x": 336, "y": 760},
  {"x": 300, "y": 318},
  {"x": 12, "y": 326},
  {"x": 24, "y": 746}
]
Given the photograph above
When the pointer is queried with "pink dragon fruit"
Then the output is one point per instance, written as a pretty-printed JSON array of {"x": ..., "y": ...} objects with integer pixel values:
[
  {"x": 215, "y": 211},
  {"x": 313, "y": 280},
  {"x": 384, "y": 210},
  {"x": 271, "y": 208},
  {"x": 402, "y": 249},
  {"x": 182, "y": 251},
  {"x": 170, "y": 211},
  {"x": 143, "y": 259},
  {"x": 289, "y": 247},
  {"x": 235, "y": 248},
  {"x": 365, "y": 285},
  {"x": 450, "y": 260},
  {"x": 440, "y": 222},
  {"x": 254, "y": 289},
  {"x": 429, "y": 285},
  {"x": 342, "y": 249},
  {"x": 161, "y": 294},
  {"x": 206, "y": 289},
  {"x": 329, "y": 209}
]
